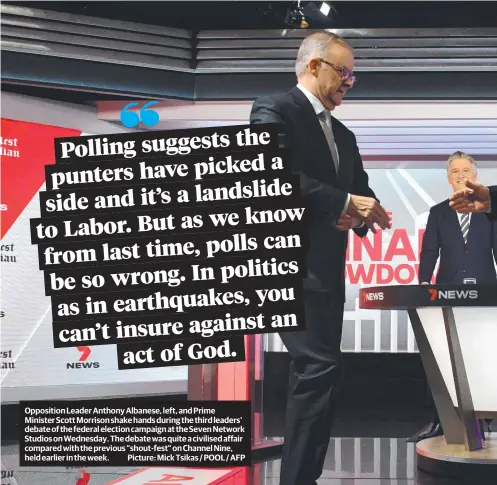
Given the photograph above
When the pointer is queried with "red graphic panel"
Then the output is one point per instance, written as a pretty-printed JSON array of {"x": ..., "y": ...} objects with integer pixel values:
[
  {"x": 167, "y": 478},
  {"x": 183, "y": 476},
  {"x": 26, "y": 149},
  {"x": 84, "y": 479}
]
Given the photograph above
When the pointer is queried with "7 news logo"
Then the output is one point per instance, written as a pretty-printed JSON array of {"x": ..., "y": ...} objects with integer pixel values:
[
  {"x": 378, "y": 296},
  {"x": 453, "y": 294},
  {"x": 82, "y": 363}
]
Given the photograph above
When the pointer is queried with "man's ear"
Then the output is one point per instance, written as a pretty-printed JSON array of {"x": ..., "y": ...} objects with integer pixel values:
[{"x": 314, "y": 65}]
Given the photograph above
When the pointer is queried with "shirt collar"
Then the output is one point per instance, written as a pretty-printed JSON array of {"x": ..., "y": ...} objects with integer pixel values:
[{"x": 316, "y": 104}]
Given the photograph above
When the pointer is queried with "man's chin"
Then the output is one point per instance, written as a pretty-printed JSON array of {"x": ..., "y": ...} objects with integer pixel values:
[{"x": 329, "y": 104}]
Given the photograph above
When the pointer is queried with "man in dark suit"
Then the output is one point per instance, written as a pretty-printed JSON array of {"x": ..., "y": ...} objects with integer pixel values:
[
  {"x": 337, "y": 197},
  {"x": 475, "y": 197},
  {"x": 465, "y": 243}
]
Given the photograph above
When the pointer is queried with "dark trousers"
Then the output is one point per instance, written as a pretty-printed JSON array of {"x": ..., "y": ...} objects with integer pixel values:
[{"x": 315, "y": 375}]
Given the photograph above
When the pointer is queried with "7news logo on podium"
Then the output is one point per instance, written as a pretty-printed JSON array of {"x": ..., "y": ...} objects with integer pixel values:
[
  {"x": 453, "y": 294},
  {"x": 131, "y": 119}
]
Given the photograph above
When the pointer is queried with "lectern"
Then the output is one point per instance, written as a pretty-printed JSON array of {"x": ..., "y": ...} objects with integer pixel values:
[
  {"x": 237, "y": 381},
  {"x": 456, "y": 332}
]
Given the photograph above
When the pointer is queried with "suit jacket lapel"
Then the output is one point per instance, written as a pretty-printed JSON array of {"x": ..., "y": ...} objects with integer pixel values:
[
  {"x": 344, "y": 166},
  {"x": 453, "y": 224},
  {"x": 475, "y": 225},
  {"x": 313, "y": 125}
]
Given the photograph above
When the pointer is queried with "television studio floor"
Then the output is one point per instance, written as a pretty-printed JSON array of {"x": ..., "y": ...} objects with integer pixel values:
[{"x": 350, "y": 461}]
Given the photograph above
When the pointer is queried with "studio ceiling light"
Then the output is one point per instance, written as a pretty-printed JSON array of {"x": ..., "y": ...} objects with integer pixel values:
[{"x": 325, "y": 8}]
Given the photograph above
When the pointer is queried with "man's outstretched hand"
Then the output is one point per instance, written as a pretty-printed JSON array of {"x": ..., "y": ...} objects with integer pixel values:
[
  {"x": 370, "y": 211},
  {"x": 474, "y": 198}
]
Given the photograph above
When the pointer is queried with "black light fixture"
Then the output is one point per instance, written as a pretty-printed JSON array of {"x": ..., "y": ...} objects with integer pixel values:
[
  {"x": 321, "y": 13},
  {"x": 295, "y": 17}
]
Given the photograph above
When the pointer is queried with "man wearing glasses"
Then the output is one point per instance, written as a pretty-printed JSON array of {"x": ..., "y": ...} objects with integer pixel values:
[{"x": 337, "y": 197}]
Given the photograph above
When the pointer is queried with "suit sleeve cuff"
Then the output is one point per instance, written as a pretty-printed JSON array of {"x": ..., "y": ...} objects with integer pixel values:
[{"x": 346, "y": 206}]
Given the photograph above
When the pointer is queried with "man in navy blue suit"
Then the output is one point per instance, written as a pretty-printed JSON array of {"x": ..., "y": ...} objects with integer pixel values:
[{"x": 466, "y": 243}]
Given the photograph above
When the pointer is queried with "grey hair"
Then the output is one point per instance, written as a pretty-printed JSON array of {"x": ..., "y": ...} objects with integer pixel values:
[
  {"x": 315, "y": 45},
  {"x": 465, "y": 156}
]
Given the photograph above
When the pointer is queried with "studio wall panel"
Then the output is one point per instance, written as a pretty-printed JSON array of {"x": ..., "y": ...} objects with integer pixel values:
[
  {"x": 97, "y": 55},
  {"x": 96, "y": 77}
]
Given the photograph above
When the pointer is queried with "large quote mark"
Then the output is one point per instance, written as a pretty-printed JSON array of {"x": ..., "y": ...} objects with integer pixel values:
[{"x": 148, "y": 117}]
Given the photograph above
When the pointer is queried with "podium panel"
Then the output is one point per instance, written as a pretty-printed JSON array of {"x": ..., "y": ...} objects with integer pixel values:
[
  {"x": 477, "y": 331},
  {"x": 456, "y": 332},
  {"x": 237, "y": 381}
]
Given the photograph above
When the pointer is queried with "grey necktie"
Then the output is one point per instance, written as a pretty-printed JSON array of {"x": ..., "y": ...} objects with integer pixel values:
[
  {"x": 465, "y": 227},
  {"x": 325, "y": 120}
]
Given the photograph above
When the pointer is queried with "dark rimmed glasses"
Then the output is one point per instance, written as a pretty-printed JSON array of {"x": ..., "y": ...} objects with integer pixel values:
[{"x": 344, "y": 72}]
